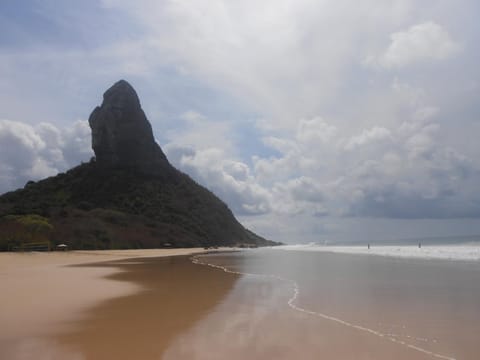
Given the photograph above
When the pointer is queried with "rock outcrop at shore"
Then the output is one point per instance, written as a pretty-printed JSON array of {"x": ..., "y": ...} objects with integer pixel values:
[
  {"x": 129, "y": 196},
  {"x": 121, "y": 133}
]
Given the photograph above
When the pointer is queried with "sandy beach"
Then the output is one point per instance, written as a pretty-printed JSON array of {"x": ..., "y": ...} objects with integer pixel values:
[
  {"x": 45, "y": 294},
  {"x": 262, "y": 304}
]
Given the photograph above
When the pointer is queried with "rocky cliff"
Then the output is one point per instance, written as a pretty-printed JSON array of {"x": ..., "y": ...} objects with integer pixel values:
[
  {"x": 121, "y": 133},
  {"x": 129, "y": 196}
]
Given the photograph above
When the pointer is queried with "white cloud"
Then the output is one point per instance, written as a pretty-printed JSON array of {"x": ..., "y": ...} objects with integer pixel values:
[
  {"x": 285, "y": 58},
  {"x": 197, "y": 131},
  {"x": 315, "y": 129},
  {"x": 367, "y": 136},
  {"x": 424, "y": 114},
  {"x": 422, "y": 42},
  {"x": 312, "y": 176},
  {"x": 406, "y": 172},
  {"x": 35, "y": 152},
  {"x": 13, "y": 132},
  {"x": 280, "y": 144},
  {"x": 230, "y": 180}
]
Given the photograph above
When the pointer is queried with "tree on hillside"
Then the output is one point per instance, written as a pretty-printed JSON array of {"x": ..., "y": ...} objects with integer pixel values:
[{"x": 17, "y": 230}]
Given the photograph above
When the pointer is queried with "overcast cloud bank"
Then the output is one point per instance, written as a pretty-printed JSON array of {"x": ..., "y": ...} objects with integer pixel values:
[{"x": 310, "y": 119}]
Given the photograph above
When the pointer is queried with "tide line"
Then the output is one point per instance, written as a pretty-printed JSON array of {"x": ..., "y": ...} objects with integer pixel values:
[{"x": 296, "y": 292}]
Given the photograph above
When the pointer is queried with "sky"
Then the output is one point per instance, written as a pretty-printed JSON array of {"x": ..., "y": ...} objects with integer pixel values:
[{"x": 314, "y": 120}]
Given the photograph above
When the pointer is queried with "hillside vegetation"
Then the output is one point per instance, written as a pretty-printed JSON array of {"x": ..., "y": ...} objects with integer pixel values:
[{"x": 90, "y": 207}]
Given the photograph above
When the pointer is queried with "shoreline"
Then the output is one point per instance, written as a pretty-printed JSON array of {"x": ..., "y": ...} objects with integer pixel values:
[
  {"x": 169, "y": 307},
  {"x": 45, "y": 293},
  {"x": 460, "y": 252},
  {"x": 264, "y": 317}
]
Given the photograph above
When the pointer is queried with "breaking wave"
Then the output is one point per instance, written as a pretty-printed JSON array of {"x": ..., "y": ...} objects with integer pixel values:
[{"x": 470, "y": 252}]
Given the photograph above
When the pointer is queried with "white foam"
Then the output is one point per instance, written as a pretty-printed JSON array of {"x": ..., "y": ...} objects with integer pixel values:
[{"x": 445, "y": 252}]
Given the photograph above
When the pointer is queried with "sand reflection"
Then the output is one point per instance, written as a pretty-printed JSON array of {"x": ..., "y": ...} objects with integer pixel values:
[{"x": 255, "y": 322}]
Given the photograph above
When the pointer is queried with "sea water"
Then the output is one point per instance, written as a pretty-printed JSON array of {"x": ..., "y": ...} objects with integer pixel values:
[{"x": 464, "y": 251}]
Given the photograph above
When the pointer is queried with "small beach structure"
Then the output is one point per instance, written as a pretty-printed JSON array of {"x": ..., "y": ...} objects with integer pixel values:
[{"x": 62, "y": 247}]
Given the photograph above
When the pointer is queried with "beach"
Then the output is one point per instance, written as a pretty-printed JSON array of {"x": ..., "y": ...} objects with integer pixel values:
[
  {"x": 255, "y": 304},
  {"x": 44, "y": 295}
]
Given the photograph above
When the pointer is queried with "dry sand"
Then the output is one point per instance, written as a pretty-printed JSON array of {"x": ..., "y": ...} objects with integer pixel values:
[{"x": 42, "y": 294}]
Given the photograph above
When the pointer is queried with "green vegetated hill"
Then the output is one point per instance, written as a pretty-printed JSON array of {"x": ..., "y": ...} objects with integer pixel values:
[
  {"x": 113, "y": 203},
  {"x": 90, "y": 207}
]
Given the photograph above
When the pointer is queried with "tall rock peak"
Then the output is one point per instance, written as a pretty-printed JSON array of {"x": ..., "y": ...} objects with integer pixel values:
[
  {"x": 121, "y": 134},
  {"x": 121, "y": 95}
]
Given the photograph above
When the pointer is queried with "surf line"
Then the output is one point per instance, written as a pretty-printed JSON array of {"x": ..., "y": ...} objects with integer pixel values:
[{"x": 296, "y": 293}]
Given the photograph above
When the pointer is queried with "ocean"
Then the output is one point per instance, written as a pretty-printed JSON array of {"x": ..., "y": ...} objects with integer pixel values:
[
  {"x": 420, "y": 250},
  {"x": 342, "y": 302}
]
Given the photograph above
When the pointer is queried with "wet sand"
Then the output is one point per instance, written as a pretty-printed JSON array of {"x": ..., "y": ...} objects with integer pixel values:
[
  {"x": 255, "y": 321},
  {"x": 43, "y": 295},
  {"x": 335, "y": 306}
]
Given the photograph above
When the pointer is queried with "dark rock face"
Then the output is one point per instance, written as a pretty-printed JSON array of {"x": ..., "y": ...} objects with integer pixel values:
[{"x": 121, "y": 133}]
